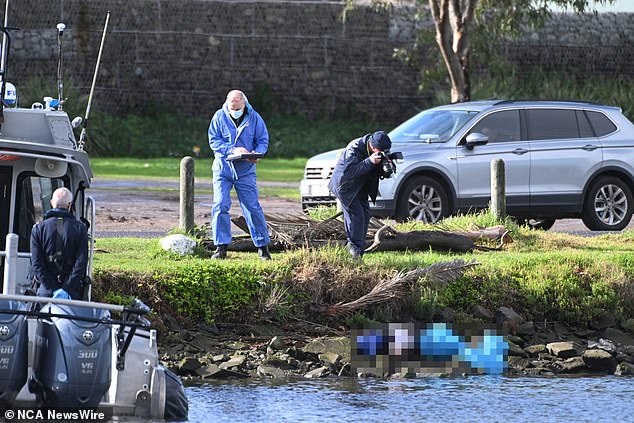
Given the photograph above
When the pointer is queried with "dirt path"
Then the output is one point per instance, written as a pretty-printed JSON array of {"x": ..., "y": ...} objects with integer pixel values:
[{"x": 136, "y": 208}]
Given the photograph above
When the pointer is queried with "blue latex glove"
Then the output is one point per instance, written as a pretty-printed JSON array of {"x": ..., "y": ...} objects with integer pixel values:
[{"x": 61, "y": 294}]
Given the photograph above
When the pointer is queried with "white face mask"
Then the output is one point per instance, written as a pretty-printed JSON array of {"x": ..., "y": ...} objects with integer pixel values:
[{"x": 236, "y": 113}]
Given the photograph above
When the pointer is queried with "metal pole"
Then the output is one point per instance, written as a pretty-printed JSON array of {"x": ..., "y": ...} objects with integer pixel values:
[
  {"x": 60, "y": 66},
  {"x": 4, "y": 38},
  {"x": 187, "y": 194},
  {"x": 498, "y": 189},
  {"x": 82, "y": 136},
  {"x": 10, "y": 264}
]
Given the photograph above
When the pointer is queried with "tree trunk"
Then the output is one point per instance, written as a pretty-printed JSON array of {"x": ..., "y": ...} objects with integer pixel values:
[{"x": 452, "y": 36}]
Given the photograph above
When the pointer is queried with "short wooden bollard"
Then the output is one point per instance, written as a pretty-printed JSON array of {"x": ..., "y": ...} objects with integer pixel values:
[
  {"x": 186, "y": 221},
  {"x": 498, "y": 189}
]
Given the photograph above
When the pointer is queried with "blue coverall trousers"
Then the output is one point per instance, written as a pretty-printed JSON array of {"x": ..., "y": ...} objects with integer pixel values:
[
  {"x": 356, "y": 218},
  {"x": 247, "y": 190}
]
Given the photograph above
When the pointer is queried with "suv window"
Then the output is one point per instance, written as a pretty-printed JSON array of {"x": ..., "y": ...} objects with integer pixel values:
[
  {"x": 601, "y": 124},
  {"x": 543, "y": 124},
  {"x": 584, "y": 125},
  {"x": 432, "y": 125},
  {"x": 500, "y": 126}
]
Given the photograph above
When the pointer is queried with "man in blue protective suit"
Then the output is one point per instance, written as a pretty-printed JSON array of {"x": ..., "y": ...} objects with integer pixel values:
[
  {"x": 354, "y": 179},
  {"x": 59, "y": 250},
  {"x": 234, "y": 129}
]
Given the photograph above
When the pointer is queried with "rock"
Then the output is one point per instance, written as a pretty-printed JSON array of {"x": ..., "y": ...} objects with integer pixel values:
[
  {"x": 280, "y": 363},
  {"x": 171, "y": 323},
  {"x": 277, "y": 343},
  {"x": 585, "y": 333},
  {"x": 330, "y": 358},
  {"x": 214, "y": 372},
  {"x": 526, "y": 329},
  {"x": 603, "y": 344},
  {"x": 628, "y": 325},
  {"x": 572, "y": 365},
  {"x": 534, "y": 350},
  {"x": 516, "y": 340},
  {"x": 519, "y": 363},
  {"x": 203, "y": 343},
  {"x": 236, "y": 345},
  {"x": 603, "y": 323},
  {"x": 599, "y": 360},
  {"x": 270, "y": 371},
  {"x": 617, "y": 336},
  {"x": 624, "y": 369},
  {"x": 178, "y": 244},
  {"x": 561, "y": 329},
  {"x": 219, "y": 357},
  {"x": 539, "y": 371},
  {"x": 188, "y": 365},
  {"x": 337, "y": 345},
  {"x": 483, "y": 313},
  {"x": 516, "y": 350},
  {"x": 562, "y": 349},
  {"x": 509, "y": 318},
  {"x": 317, "y": 373},
  {"x": 234, "y": 361}
]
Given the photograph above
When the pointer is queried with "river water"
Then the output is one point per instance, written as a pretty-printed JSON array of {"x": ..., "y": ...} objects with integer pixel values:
[{"x": 469, "y": 399}]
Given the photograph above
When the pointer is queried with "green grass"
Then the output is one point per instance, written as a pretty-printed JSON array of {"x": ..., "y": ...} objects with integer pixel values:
[
  {"x": 543, "y": 275},
  {"x": 275, "y": 170}
]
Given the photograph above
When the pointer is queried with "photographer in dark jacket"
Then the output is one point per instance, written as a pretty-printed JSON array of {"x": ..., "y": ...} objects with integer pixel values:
[
  {"x": 59, "y": 250},
  {"x": 354, "y": 179}
]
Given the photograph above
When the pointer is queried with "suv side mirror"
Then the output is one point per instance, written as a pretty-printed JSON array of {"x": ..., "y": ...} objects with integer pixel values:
[{"x": 475, "y": 138}]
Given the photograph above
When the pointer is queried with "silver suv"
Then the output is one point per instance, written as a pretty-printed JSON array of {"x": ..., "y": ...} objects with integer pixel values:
[{"x": 562, "y": 159}]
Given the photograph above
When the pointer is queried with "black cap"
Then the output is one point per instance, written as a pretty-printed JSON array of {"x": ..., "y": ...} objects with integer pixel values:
[{"x": 380, "y": 141}]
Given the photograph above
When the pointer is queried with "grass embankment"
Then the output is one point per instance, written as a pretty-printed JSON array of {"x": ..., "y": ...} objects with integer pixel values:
[{"x": 545, "y": 276}]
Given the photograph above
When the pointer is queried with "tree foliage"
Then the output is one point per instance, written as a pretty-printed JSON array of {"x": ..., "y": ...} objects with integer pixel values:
[{"x": 456, "y": 24}]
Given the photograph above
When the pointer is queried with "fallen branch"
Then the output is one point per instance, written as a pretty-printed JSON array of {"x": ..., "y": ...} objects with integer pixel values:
[
  {"x": 389, "y": 239},
  {"x": 399, "y": 285}
]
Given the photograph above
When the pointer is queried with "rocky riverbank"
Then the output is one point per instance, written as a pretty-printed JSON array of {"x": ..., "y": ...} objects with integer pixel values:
[{"x": 305, "y": 350}]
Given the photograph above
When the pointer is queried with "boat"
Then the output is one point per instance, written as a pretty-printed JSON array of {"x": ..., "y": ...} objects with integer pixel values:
[{"x": 54, "y": 353}]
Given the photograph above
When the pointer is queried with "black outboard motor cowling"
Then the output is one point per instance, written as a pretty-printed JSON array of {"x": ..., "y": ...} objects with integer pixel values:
[
  {"x": 72, "y": 358},
  {"x": 14, "y": 343}
]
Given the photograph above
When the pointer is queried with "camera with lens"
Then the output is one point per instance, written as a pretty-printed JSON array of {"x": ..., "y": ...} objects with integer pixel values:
[{"x": 388, "y": 167}]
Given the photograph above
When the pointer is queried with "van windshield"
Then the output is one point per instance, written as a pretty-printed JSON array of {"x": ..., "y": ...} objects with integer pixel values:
[{"x": 431, "y": 126}]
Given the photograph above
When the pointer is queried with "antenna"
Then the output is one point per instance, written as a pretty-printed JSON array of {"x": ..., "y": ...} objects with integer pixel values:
[
  {"x": 82, "y": 136},
  {"x": 60, "y": 66},
  {"x": 6, "y": 42},
  {"x": 4, "y": 38}
]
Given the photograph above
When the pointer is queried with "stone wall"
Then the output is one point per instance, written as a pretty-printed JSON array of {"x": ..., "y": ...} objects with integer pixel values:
[{"x": 288, "y": 56}]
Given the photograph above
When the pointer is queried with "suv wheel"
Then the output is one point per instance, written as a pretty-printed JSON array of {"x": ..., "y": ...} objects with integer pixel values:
[
  {"x": 608, "y": 205},
  {"x": 424, "y": 199}
]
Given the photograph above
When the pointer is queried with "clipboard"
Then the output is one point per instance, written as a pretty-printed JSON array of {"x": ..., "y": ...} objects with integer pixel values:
[{"x": 245, "y": 156}]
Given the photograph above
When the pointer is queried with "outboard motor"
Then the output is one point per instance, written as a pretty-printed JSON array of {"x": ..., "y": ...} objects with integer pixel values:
[
  {"x": 71, "y": 364},
  {"x": 13, "y": 351}
]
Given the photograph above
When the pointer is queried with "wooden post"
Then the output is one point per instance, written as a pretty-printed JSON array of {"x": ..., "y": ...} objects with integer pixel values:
[
  {"x": 187, "y": 194},
  {"x": 498, "y": 189}
]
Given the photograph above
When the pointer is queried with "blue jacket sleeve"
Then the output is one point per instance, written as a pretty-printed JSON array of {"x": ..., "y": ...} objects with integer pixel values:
[
  {"x": 218, "y": 143},
  {"x": 356, "y": 165},
  {"x": 261, "y": 143}
]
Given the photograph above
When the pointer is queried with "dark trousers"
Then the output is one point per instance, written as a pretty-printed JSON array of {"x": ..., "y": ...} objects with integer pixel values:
[{"x": 356, "y": 217}]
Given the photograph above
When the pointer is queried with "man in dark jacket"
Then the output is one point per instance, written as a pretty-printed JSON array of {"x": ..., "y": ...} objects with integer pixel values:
[
  {"x": 354, "y": 179},
  {"x": 59, "y": 250}
]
